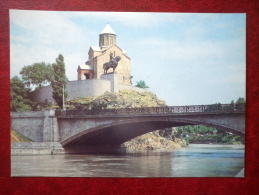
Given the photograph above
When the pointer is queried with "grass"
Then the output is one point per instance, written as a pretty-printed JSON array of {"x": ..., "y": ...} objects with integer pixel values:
[{"x": 17, "y": 137}]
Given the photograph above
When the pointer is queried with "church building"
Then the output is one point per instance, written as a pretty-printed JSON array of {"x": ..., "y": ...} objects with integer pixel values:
[
  {"x": 99, "y": 55},
  {"x": 92, "y": 78}
]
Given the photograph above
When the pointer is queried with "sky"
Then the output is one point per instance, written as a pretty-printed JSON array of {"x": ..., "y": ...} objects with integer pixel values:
[{"x": 185, "y": 58}]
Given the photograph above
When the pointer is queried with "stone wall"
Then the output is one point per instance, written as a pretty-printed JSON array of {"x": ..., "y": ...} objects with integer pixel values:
[
  {"x": 40, "y": 126},
  {"x": 42, "y": 94},
  {"x": 85, "y": 88},
  {"x": 30, "y": 148},
  {"x": 91, "y": 87},
  {"x": 29, "y": 124}
]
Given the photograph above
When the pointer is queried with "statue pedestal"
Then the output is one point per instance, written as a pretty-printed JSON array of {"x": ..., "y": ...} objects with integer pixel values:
[{"x": 113, "y": 78}]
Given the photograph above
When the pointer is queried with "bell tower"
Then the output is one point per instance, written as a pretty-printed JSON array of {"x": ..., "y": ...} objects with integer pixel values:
[{"x": 107, "y": 37}]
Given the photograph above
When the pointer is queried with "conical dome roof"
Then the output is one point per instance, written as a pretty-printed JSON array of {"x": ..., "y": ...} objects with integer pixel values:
[{"x": 108, "y": 30}]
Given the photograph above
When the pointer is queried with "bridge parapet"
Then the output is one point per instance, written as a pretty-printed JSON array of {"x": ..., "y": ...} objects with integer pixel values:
[{"x": 216, "y": 108}]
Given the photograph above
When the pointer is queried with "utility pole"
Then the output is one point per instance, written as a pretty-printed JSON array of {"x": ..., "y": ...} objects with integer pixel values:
[{"x": 63, "y": 94}]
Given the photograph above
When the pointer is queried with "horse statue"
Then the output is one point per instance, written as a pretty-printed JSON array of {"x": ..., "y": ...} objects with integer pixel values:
[{"x": 113, "y": 63}]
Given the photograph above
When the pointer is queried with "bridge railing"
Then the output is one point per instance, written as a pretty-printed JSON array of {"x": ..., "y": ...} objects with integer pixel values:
[{"x": 156, "y": 110}]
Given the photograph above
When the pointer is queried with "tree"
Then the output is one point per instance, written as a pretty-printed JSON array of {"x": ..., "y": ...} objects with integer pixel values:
[
  {"x": 240, "y": 100},
  {"x": 141, "y": 84},
  {"x": 38, "y": 74},
  {"x": 59, "y": 81},
  {"x": 19, "y": 96}
]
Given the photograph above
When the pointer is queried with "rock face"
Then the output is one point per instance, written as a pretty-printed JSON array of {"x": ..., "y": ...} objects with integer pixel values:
[
  {"x": 123, "y": 99},
  {"x": 131, "y": 99},
  {"x": 152, "y": 141}
]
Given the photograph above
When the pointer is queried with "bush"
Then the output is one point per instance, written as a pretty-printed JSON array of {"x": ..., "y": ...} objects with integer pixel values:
[{"x": 187, "y": 139}]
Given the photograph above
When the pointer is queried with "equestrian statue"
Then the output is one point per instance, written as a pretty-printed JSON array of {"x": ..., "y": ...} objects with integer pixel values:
[{"x": 113, "y": 63}]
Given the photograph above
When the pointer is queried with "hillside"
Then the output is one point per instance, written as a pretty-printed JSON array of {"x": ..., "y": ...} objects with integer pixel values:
[
  {"x": 123, "y": 99},
  {"x": 130, "y": 99}
]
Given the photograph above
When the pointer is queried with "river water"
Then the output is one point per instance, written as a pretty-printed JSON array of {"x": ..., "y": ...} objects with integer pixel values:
[{"x": 198, "y": 160}]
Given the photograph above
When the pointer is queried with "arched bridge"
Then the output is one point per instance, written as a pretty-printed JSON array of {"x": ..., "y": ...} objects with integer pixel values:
[
  {"x": 104, "y": 127},
  {"x": 115, "y": 126}
]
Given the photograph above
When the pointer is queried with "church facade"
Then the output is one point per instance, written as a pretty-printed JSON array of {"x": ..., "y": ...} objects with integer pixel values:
[{"x": 99, "y": 55}]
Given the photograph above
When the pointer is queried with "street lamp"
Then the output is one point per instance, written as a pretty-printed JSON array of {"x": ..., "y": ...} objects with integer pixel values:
[{"x": 64, "y": 107}]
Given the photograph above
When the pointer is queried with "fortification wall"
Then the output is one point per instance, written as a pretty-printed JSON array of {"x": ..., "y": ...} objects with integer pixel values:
[
  {"x": 85, "y": 88},
  {"x": 42, "y": 94}
]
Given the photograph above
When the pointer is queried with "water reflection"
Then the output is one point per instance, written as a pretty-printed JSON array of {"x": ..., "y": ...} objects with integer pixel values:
[{"x": 195, "y": 161}]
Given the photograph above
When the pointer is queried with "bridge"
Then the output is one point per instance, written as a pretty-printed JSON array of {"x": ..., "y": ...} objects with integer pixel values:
[{"x": 112, "y": 127}]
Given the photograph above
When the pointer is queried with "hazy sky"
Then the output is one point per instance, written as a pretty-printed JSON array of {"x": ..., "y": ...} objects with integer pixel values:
[{"x": 186, "y": 59}]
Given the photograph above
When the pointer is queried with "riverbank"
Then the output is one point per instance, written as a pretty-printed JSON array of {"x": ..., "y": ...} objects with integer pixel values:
[
  {"x": 218, "y": 139},
  {"x": 36, "y": 148}
]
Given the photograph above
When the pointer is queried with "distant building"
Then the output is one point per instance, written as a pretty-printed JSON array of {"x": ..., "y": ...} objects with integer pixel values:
[{"x": 98, "y": 55}]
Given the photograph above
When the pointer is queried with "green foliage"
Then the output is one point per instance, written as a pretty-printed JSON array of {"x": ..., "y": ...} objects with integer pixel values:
[
  {"x": 224, "y": 139},
  {"x": 194, "y": 129},
  {"x": 200, "y": 132},
  {"x": 38, "y": 74},
  {"x": 19, "y": 96},
  {"x": 142, "y": 84},
  {"x": 59, "y": 80},
  {"x": 187, "y": 139},
  {"x": 240, "y": 100}
]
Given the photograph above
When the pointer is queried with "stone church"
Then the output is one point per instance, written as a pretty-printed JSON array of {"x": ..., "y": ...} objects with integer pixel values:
[
  {"x": 99, "y": 55},
  {"x": 91, "y": 78}
]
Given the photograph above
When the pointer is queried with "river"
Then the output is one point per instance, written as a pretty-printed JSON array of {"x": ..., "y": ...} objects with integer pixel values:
[{"x": 197, "y": 160}]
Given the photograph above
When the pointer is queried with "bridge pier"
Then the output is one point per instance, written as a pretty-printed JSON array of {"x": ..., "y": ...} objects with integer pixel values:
[
  {"x": 38, "y": 126},
  {"x": 50, "y": 128}
]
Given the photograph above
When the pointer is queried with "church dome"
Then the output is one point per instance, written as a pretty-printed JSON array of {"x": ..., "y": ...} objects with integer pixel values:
[
  {"x": 107, "y": 37},
  {"x": 108, "y": 30}
]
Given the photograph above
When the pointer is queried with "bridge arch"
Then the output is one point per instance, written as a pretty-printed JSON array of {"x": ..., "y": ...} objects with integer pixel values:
[{"x": 120, "y": 131}]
